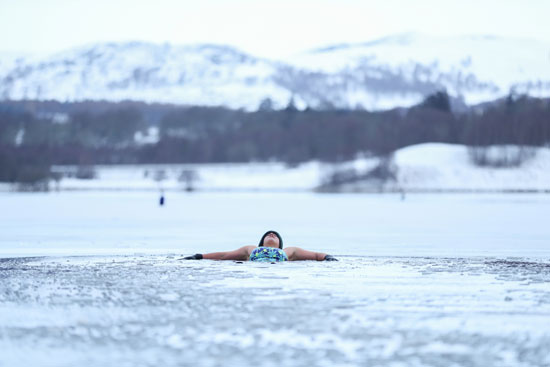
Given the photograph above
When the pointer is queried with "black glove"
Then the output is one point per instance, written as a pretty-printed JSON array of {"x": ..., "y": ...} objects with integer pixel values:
[
  {"x": 330, "y": 258},
  {"x": 193, "y": 257}
]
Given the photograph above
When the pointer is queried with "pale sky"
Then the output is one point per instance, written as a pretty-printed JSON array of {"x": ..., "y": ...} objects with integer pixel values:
[{"x": 275, "y": 28}]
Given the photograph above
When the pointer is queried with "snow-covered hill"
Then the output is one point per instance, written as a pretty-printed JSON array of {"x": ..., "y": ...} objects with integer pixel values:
[
  {"x": 386, "y": 73},
  {"x": 197, "y": 75},
  {"x": 435, "y": 166}
]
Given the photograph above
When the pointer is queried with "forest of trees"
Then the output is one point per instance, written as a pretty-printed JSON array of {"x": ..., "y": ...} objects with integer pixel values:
[{"x": 36, "y": 135}]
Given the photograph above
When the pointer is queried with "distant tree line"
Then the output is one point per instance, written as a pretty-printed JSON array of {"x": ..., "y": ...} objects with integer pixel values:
[{"x": 35, "y": 135}]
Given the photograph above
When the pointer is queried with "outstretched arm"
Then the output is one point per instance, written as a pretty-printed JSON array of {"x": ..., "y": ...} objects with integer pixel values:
[
  {"x": 296, "y": 254},
  {"x": 240, "y": 254}
]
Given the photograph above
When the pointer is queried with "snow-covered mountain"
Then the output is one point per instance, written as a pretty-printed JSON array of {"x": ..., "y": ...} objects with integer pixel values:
[
  {"x": 198, "y": 75},
  {"x": 474, "y": 68},
  {"x": 389, "y": 72}
]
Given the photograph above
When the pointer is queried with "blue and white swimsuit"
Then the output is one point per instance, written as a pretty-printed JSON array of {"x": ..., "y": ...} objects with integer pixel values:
[{"x": 268, "y": 254}]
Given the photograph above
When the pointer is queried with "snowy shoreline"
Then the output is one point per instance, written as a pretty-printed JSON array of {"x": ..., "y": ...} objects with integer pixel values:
[{"x": 423, "y": 168}]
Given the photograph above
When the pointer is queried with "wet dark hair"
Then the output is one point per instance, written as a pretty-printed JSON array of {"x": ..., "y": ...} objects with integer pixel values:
[{"x": 276, "y": 234}]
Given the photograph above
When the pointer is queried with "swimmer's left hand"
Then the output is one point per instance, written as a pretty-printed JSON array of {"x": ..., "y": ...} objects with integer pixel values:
[
  {"x": 330, "y": 258},
  {"x": 193, "y": 257}
]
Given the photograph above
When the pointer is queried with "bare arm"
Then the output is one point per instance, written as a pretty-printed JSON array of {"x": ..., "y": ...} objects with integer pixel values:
[
  {"x": 240, "y": 254},
  {"x": 296, "y": 254}
]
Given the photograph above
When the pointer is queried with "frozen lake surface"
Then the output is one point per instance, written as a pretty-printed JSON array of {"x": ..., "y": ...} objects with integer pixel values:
[
  {"x": 110, "y": 223},
  {"x": 95, "y": 279},
  {"x": 156, "y": 310}
]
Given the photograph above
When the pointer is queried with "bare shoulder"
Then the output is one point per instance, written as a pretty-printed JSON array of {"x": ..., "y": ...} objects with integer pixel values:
[
  {"x": 248, "y": 249},
  {"x": 290, "y": 250}
]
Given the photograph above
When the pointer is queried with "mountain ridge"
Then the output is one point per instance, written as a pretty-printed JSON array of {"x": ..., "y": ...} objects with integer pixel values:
[{"x": 394, "y": 71}]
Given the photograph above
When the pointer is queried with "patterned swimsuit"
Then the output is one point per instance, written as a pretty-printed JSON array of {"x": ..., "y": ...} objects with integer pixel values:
[{"x": 268, "y": 254}]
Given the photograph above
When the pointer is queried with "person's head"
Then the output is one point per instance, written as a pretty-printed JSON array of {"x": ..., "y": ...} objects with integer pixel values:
[{"x": 271, "y": 239}]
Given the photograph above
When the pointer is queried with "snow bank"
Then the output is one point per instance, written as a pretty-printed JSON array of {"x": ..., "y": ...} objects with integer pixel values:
[{"x": 448, "y": 167}]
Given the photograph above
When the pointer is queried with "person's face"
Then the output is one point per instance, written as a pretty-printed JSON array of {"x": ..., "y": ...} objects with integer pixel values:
[{"x": 271, "y": 240}]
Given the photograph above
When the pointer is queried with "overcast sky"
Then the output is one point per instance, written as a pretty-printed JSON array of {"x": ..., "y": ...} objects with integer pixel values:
[{"x": 264, "y": 28}]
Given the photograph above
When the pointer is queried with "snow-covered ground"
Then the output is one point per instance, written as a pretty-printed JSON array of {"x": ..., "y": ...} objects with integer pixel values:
[
  {"x": 448, "y": 167},
  {"x": 227, "y": 177},
  {"x": 424, "y": 167}
]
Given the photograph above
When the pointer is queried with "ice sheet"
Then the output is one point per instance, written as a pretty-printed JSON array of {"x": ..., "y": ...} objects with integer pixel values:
[
  {"x": 431, "y": 280},
  {"x": 97, "y": 223},
  {"x": 157, "y": 310}
]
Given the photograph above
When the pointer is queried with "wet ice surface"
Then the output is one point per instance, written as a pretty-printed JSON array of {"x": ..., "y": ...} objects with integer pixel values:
[
  {"x": 156, "y": 310},
  {"x": 432, "y": 280}
]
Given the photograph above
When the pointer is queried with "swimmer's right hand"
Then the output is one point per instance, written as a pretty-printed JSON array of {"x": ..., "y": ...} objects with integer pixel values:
[{"x": 193, "y": 257}]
